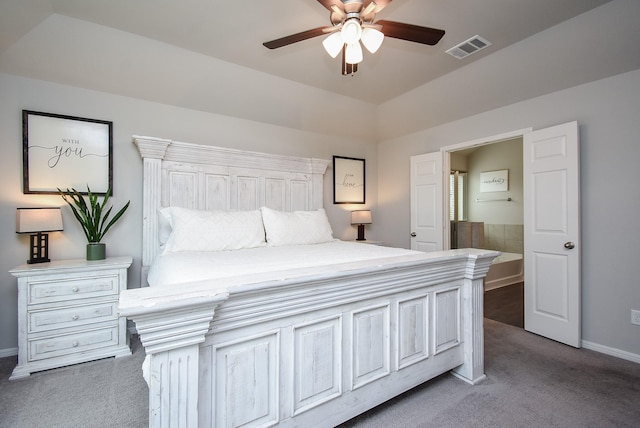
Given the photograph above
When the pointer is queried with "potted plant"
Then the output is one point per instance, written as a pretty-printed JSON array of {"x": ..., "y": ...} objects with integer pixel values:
[{"x": 93, "y": 217}]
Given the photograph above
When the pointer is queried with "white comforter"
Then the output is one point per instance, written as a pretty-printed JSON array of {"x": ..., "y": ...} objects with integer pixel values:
[{"x": 181, "y": 267}]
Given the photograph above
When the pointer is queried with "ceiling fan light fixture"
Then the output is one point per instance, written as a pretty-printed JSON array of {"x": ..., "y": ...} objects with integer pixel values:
[
  {"x": 353, "y": 53},
  {"x": 351, "y": 31},
  {"x": 372, "y": 39},
  {"x": 333, "y": 44}
]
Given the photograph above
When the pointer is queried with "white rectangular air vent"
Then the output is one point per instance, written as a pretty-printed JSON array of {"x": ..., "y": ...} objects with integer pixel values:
[{"x": 466, "y": 48}]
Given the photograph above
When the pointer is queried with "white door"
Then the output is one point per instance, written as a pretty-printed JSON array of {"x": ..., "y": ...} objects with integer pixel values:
[
  {"x": 552, "y": 233},
  {"x": 426, "y": 202}
]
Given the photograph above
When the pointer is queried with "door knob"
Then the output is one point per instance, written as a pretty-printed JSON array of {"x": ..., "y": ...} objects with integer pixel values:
[
  {"x": 569, "y": 245},
  {"x": 413, "y": 234}
]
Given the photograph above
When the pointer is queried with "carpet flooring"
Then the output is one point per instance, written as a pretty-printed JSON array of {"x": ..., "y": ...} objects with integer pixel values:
[{"x": 531, "y": 382}]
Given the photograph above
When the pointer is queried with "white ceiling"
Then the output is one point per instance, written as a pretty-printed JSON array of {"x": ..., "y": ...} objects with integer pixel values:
[{"x": 234, "y": 30}]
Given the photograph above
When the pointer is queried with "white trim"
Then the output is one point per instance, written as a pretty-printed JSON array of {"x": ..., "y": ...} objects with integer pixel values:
[
  {"x": 446, "y": 168},
  {"x": 8, "y": 352},
  {"x": 486, "y": 140},
  {"x": 611, "y": 351}
]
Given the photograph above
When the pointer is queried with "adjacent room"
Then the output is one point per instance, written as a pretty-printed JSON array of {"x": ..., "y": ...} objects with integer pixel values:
[{"x": 414, "y": 210}]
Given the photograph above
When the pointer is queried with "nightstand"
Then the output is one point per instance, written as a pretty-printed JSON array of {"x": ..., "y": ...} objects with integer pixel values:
[
  {"x": 367, "y": 241},
  {"x": 68, "y": 313}
]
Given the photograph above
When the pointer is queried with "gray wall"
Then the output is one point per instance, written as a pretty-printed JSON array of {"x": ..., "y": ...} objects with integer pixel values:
[
  {"x": 607, "y": 112},
  {"x": 133, "y": 116}
]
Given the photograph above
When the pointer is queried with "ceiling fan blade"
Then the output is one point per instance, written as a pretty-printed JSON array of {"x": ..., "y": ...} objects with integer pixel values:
[
  {"x": 371, "y": 7},
  {"x": 412, "y": 33},
  {"x": 294, "y": 38},
  {"x": 329, "y": 4}
]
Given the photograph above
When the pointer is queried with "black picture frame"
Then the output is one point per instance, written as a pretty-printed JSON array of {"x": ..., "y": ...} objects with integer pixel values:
[
  {"x": 60, "y": 151},
  {"x": 349, "y": 185}
]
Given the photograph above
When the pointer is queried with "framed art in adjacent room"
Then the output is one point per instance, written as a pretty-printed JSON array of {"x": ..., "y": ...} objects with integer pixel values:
[
  {"x": 348, "y": 180},
  {"x": 494, "y": 181},
  {"x": 66, "y": 152}
]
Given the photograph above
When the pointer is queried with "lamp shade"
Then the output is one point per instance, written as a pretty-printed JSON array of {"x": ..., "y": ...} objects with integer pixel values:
[
  {"x": 351, "y": 31},
  {"x": 33, "y": 220},
  {"x": 372, "y": 39},
  {"x": 333, "y": 44},
  {"x": 361, "y": 217},
  {"x": 353, "y": 53}
]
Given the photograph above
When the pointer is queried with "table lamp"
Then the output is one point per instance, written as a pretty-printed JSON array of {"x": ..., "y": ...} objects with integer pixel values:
[
  {"x": 361, "y": 217},
  {"x": 37, "y": 221}
]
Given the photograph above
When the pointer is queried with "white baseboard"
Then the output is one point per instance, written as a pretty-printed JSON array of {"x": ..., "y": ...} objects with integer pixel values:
[
  {"x": 9, "y": 352},
  {"x": 611, "y": 351}
]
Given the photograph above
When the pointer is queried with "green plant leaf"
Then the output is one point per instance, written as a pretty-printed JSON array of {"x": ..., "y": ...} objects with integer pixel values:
[{"x": 92, "y": 216}]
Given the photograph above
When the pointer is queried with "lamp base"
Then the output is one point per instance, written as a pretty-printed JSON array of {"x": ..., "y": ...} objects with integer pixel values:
[
  {"x": 39, "y": 248},
  {"x": 360, "y": 233}
]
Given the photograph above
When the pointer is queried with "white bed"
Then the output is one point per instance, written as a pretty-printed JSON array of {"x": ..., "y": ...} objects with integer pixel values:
[{"x": 330, "y": 331}]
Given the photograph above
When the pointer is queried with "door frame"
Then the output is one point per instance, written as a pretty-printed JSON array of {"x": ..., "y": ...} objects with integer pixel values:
[{"x": 446, "y": 169}]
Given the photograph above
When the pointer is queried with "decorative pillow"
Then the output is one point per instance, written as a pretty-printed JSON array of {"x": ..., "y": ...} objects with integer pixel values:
[
  {"x": 295, "y": 228},
  {"x": 164, "y": 227},
  {"x": 196, "y": 230}
]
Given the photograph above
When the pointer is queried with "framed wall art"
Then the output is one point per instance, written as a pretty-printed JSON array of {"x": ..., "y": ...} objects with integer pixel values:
[
  {"x": 494, "y": 181},
  {"x": 66, "y": 152},
  {"x": 348, "y": 180}
]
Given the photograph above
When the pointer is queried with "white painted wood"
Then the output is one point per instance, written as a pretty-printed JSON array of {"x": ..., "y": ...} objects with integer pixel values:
[
  {"x": 371, "y": 345},
  {"x": 317, "y": 363},
  {"x": 552, "y": 218},
  {"x": 67, "y": 313},
  {"x": 170, "y": 331},
  {"x": 413, "y": 331},
  {"x": 261, "y": 333},
  {"x": 446, "y": 318},
  {"x": 315, "y": 349},
  {"x": 426, "y": 202},
  {"x": 209, "y": 177}
]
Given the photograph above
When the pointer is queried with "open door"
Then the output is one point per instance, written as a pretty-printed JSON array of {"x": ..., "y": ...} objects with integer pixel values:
[
  {"x": 427, "y": 232},
  {"x": 551, "y": 224},
  {"x": 552, "y": 233}
]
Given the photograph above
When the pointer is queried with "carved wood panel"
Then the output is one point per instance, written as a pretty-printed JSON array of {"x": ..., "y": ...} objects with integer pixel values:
[
  {"x": 447, "y": 319},
  {"x": 246, "y": 382},
  {"x": 317, "y": 363},
  {"x": 371, "y": 359},
  {"x": 413, "y": 331}
]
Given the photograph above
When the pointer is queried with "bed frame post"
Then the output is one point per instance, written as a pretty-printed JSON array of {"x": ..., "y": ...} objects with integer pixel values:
[
  {"x": 472, "y": 371},
  {"x": 152, "y": 151},
  {"x": 171, "y": 333},
  {"x": 318, "y": 168}
]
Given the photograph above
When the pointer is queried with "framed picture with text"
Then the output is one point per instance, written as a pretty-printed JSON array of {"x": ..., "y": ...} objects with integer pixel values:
[
  {"x": 348, "y": 180},
  {"x": 66, "y": 152}
]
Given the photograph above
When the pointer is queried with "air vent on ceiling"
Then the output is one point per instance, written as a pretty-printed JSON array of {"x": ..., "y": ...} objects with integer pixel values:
[{"x": 468, "y": 47}]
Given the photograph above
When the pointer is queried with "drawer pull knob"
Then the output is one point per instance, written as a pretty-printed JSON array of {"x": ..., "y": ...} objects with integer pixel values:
[
  {"x": 75, "y": 289},
  {"x": 75, "y": 344},
  {"x": 75, "y": 317}
]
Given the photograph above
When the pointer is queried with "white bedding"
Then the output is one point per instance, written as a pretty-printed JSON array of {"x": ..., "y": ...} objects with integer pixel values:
[{"x": 176, "y": 268}]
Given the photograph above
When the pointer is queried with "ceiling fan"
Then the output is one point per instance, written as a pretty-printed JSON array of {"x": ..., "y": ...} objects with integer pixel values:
[{"x": 352, "y": 22}]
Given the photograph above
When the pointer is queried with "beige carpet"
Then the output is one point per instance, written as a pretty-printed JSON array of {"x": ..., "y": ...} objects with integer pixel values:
[{"x": 531, "y": 382}]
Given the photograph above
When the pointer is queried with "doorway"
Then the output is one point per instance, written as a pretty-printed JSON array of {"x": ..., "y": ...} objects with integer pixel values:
[
  {"x": 492, "y": 217},
  {"x": 551, "y": 198}
]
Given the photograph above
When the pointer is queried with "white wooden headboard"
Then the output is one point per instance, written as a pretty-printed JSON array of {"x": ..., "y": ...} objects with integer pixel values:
[{"x": 209, "y": 178}]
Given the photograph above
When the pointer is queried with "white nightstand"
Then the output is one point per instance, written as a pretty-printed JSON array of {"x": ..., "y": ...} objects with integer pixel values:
[
  {"x": 367, "y": 241},
  {"x": 68, "y": 313}
]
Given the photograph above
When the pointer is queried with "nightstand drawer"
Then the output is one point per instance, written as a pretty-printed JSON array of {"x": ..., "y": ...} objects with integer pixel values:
[
  {"x": 50, "y": 347},
  {"x": 73, "y": 288},
  {"x": 70, "y": 317}
]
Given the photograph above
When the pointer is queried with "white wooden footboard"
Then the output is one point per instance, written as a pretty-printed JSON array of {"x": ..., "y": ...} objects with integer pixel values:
[{"x": 315, "y": 350}]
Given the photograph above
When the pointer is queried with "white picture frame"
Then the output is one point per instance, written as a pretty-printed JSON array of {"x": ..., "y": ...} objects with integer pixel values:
[{"x": 494, "y": 181}]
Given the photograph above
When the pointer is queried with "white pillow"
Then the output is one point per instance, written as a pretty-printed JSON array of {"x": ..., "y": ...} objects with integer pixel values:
[
  {"x": 295, "y": 228},
  {"x": 196, "y": 230}
]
